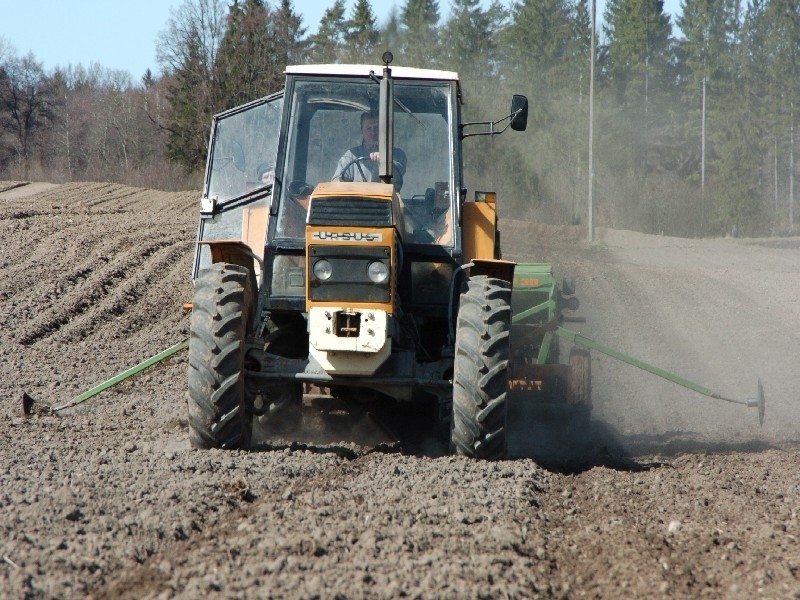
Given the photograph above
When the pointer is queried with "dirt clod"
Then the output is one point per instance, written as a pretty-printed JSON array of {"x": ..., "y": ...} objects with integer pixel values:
[{"x": 666, "y": 492}]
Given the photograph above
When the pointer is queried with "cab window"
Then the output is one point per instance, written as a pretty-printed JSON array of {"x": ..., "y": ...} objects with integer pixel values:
[
  {"x": 325, "y": 123},
  {"x": 244, "y": 148}
]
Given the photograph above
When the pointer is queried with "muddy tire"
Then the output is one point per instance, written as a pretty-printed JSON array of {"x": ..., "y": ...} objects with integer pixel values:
[
  {"x": 221, "y": 311},
  {"x": 579, "y": 384},
  {"x": 481, "y": 369}
]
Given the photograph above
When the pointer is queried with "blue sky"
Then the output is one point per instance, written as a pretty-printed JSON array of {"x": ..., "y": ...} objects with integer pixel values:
[{"x": 123, "y": 35}]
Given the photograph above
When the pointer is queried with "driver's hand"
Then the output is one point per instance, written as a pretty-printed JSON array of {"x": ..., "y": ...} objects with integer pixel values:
[{"x": 374, "y": 156}]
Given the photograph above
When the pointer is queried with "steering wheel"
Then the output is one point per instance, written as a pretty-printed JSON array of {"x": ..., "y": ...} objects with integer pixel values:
[
  {"x": 341, "y": 171},
  {"x": 359, "y": 159}
]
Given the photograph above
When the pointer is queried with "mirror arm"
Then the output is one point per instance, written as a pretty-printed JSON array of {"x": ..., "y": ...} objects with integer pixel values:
[{"x": 491, "y": 125}]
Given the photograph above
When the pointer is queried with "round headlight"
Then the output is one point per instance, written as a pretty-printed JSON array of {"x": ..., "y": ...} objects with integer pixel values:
[
  {"x": 323, "y": 269},
  {"x": 378, "y": 272}
]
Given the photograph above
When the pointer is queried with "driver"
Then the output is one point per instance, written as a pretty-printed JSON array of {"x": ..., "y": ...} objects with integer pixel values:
[{"x": 361, "y": 162}]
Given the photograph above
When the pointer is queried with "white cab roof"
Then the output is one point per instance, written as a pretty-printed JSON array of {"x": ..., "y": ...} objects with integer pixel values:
[{"x": 364, "y": 71}]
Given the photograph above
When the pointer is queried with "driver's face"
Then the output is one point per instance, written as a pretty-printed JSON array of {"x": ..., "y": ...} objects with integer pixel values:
[{"x": 369, "y": 131}]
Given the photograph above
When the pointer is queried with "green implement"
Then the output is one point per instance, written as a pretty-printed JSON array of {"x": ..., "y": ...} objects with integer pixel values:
[
  {"x": 538, "y": 303},
  {"x": 30, "y": 406},
  {"x": 576, "y": 338}
]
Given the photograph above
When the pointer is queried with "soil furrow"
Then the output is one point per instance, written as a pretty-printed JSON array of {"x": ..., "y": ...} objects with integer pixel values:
[{"x": 664, "y": 494}]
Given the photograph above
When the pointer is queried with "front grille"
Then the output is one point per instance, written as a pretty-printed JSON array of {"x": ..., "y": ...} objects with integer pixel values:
[
  {"x": 350, "y": 210},
  {"x": 349, "y": 280}
]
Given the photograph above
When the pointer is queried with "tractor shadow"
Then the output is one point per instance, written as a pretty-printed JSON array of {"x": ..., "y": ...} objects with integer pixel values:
[
  {"x": 571, "y": 445},
  {"x": 351, "y": 428},
  {"x": 561, "y": 443},
  {"x": 327, "y": 425},
  {"x": 566, "y": 443}
]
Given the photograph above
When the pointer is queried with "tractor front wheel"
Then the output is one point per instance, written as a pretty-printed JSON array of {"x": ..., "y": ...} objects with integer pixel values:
[
  {"x": 481, "y": 369},
  {"x": 222, "y": 305}
]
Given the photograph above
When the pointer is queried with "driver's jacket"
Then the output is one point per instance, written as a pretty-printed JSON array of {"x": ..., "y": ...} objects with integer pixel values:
[{"x": 367, "y": 170}]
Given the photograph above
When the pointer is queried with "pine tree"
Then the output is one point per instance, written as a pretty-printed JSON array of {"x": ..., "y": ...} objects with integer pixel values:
[
  {"x": 244, "y": 68},
  {"x": 639, "y": 49},
  {"x": 287, "y": 31},
  {"x": 419, "y": 34},
  {"x": 190, "y": 110},
  {"x": 187, "y": 53},
  {"x": 542, "y": 43},
  {"x": 362, "y": 35},
  {"x": 782, "y": 45},
  {"x": 327, "y": 45},
  {"x": 391, "y": 34},
  {"x": 708, "y": 62},
  {"x": 470, "y": 39},
  {"x": 735, "y": 182},
  {"x": 637, "y": 64},
  {"x": 546, "y": 50},
  {"x": 707, "y": 52},
  {"x": 754, "y": 60},
  {"x": 420, "y": 16}
]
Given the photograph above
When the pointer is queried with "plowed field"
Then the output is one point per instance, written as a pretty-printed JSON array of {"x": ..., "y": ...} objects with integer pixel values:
[{"x": 668, "y": 494}]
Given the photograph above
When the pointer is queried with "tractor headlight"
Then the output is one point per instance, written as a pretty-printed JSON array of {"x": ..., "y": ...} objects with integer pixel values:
[
  {"x": 323, "y": 270},
  {"x": 349, "y": 273},
  {"x": 378, "y": 271}
]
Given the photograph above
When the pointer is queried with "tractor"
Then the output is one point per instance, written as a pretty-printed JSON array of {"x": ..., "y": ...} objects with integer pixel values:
[{"x": 389, "y": 284}]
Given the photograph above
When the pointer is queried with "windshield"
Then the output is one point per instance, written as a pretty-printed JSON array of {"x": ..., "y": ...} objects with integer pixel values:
[
  {"x": 245, "y": 144},
  {"x": 329, "y": 127}
]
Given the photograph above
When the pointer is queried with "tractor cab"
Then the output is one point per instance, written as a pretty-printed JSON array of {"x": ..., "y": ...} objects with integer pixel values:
[
  {"x": 319, "y": 119},
  {"x": 329, "y": 113}
]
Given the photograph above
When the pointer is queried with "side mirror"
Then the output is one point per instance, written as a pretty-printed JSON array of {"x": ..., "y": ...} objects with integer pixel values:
[
  {"x": 519, "y": 112},
  {"x": 517, "y": 120}
]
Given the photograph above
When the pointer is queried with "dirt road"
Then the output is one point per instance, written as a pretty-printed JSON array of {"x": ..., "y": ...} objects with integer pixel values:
[{"x": 669, "y": 494}]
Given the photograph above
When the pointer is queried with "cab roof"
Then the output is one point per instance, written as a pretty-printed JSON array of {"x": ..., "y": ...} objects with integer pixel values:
[{"x": 365, "y": 70}]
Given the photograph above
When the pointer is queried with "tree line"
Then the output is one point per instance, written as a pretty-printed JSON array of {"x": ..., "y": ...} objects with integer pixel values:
[{"x": 694, "y": 119}]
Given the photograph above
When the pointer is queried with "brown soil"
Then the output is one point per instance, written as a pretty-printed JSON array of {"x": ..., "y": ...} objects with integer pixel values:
[{"x": 668, "y": 494}]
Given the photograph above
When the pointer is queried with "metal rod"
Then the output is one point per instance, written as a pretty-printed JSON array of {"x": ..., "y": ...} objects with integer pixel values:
[
  {"x": 386, "y": 131},
  {"x": 577, "y": 338},
  {"x": 531, "y": 311},
  {"x": 124, "y": 375},
  {"x": 590, "y": 225}
]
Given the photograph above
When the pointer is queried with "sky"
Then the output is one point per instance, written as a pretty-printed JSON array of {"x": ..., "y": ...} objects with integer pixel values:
[{"x": 122, "y": 35}]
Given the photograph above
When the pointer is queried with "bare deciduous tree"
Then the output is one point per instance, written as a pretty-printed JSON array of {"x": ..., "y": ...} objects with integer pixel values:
[
  {"x": 26, "y": 105},
  {"x": 194, "y": 32}
]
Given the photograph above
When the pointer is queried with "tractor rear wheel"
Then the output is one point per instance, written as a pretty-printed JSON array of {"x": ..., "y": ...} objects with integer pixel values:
[
  {"x": 222, "y": 305},
  {"x": 579, "y": 384},
  {"x": 481, "y": 369}
]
